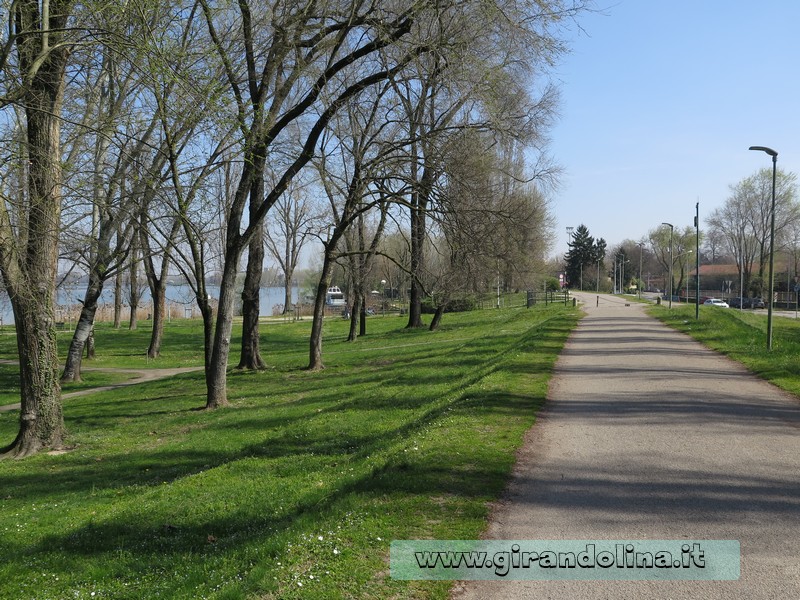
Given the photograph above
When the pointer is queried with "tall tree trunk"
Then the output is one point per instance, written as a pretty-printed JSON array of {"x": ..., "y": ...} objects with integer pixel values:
[
  {"x": 157, "y": 281},
  {"x": 315, "y": 341},
  {"x": 208, "y": 334},
  {"x": 355, "y": 315},
  {"x": 217, "y": 373},
  {"x": 251, "y": 305},
  {"x": 90, "y": 348},
  {"x": 158, "y": 291},
  {"x": 287, "y": 289},
  {"x": 134, "y": 289},
  {"x": 118, "y": 299},
  {"x": 83, "y": 330},
  {"x": 41, "y": 417},
  {"x": 351, "y": 240},
  {"x": 362, "y": 326},
  {"x": 437, "y": 317},
  {"x": 29, "y": 260},
  {"x": 415, "y": 294},
  {"x": 418, "y": 214}
]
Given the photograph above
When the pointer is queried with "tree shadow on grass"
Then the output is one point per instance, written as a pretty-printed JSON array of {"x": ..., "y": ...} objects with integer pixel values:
[
  {"x": 150, "y": 466},
  {"x": 152, "y": 533}
]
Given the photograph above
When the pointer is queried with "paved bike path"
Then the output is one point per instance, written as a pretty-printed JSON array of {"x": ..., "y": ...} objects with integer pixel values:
[{"x": 648, "y": 435}]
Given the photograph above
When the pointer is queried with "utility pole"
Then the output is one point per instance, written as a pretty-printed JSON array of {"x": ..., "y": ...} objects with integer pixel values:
[{"x": 697, "y": 262}]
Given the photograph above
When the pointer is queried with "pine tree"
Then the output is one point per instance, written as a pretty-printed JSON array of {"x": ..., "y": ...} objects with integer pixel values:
[{"x": 582, "y": 252}]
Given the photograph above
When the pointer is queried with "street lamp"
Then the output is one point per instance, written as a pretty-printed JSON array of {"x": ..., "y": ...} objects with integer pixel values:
[
  {"x": 639, "y": 283},
  {"x": 671, "y": 229},
  {"x": 570, "y": 235},
  {"x": 696, "y": 262},
  {"x": 774, "y": 156}
]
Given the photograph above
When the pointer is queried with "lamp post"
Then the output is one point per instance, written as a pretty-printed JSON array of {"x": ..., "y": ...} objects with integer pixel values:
[
  {"x": 570, "y": 237},
  {"x": 671, "y": 229},
  {"x": 639, "y": 283},
  {"x": 697, "y": 262},
  {"x": 774, "y": 156},
  {"x": 383, "y": 304}
]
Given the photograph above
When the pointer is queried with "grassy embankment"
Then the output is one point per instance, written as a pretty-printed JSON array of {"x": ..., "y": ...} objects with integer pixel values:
[
  {"x": 297, "y": 489},
  {"x": 742, "y": 336}
]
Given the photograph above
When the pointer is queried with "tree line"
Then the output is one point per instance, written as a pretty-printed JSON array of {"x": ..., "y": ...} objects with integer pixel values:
[
  {"x": 737, "y": 233},
  {"x": 191, "y": 135}
]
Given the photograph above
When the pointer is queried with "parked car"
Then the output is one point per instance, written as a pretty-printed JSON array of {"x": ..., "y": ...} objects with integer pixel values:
[
  {"x": 737, "y": 302},
  {"x": 716, "y": 302}
]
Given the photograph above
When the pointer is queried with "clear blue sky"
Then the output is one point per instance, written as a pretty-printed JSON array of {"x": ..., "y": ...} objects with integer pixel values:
[{"x": 660, "y": 102}]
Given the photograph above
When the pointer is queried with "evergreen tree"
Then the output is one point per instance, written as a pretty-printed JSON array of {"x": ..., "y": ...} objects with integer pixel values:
[{"x": 583, "y": 253}]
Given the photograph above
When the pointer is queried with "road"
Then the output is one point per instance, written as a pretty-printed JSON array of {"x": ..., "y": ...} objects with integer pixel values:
[{"x": 648, "y": 435}]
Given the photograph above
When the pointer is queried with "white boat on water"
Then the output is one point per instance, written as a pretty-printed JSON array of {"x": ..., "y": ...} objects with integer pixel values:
[{"x": 335, "y": 297}]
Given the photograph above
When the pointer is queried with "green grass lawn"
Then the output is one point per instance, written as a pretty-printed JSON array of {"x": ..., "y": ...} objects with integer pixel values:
[
  {"x": 742, "y": 335},
  {"x": 297, "y": 489},
  {"x": 183, "y": 345},
  {"x": 9, "y": 382}
]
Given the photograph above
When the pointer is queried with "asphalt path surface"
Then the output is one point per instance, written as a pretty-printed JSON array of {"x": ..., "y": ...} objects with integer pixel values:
[{"x": 648, "y": 435}]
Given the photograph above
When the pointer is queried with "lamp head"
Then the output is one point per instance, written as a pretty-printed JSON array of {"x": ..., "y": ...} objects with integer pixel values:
[{"x": 769, "y": 151}]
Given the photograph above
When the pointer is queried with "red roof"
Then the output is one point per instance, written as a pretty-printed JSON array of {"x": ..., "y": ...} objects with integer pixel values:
[{"x": 730, "y": 269}]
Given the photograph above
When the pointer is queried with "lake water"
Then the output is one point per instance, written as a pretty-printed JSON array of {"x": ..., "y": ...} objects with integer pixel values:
[{"x": 180, "y": 299}]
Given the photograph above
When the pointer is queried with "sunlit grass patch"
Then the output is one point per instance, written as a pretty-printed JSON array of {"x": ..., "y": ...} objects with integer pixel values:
[
  {"x": 298, "y": 488},
  {"x": 742, "y": 335}
]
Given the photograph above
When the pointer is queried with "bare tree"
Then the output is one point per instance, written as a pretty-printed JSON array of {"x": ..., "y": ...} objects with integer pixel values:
[
  {"x": 683, "y": 242},
  {"x": 361, "y": 245},
  {"x": 183, "y": 98},
  {"x": 156, "y": 261},
  {"x": 29, "y": 229},
  {"x": 481, "y": 83},
  {"x": 109, "y": 101},
  {"x": 352, "y": 161},
  {"x": 292, "y": 224},
  {"x": 744, "y": 221},
  {"x": 291, "y": 64},
  {"x": 489, "y": 223}
]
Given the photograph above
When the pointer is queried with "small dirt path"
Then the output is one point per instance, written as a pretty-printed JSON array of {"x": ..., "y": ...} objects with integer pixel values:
[{"x": 138, "y": 376}]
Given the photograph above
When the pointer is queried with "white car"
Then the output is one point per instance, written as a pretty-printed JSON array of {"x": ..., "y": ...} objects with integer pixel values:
[{"x": 716, "y": 302}]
